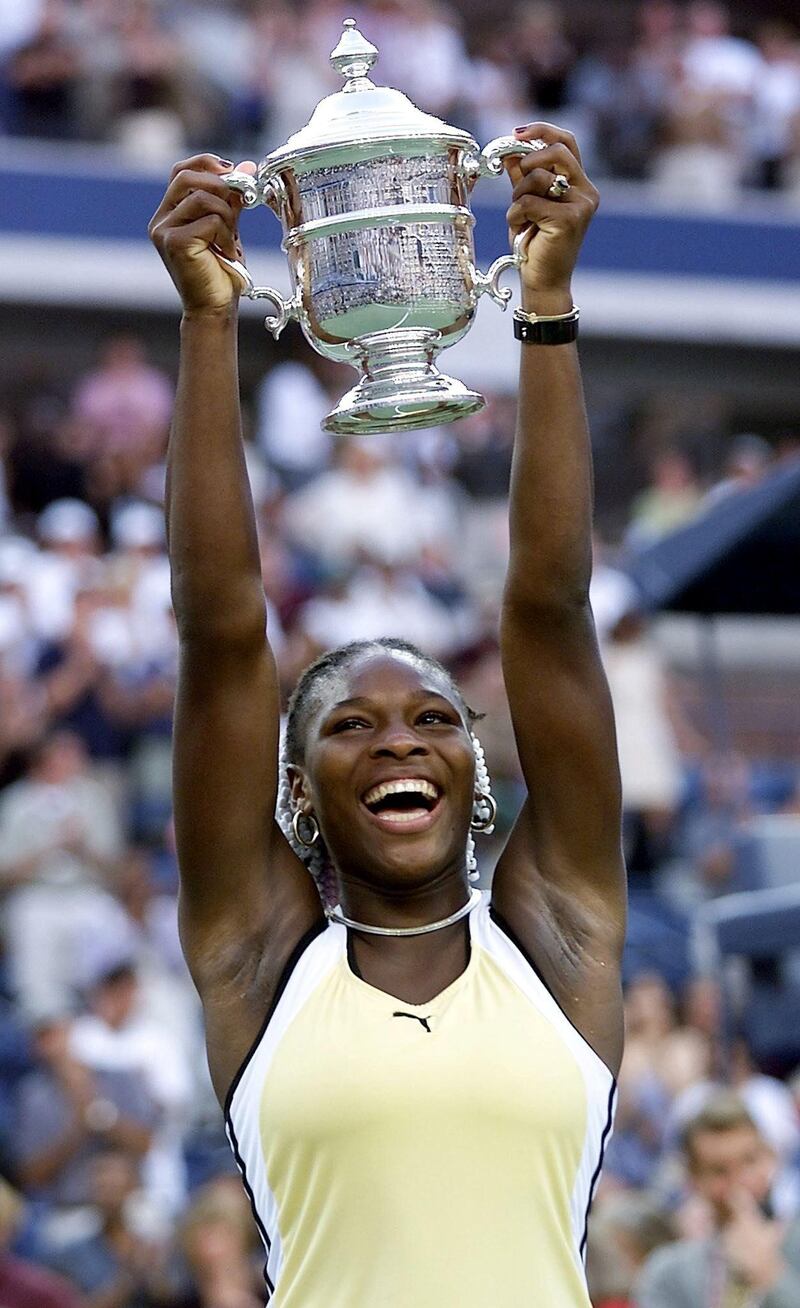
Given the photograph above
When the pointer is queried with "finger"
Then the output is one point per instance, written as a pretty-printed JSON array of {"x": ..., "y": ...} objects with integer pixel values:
[
  {"x": 191, "y": 179},
  {"x": 550, "y": 134},
  {"x": 558, "y": 158},
  {"x": 540, "y": 210},
  {"x": 201, "y": 163},
  {"x": 208, "y": 230},
  {"x": 538, "y": 182},
  {"x": 196, "y": 205}
]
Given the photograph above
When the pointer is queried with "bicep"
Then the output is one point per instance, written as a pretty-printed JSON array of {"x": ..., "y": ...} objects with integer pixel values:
[
  {"x": 570, "y": 828},
  {"x": 237, "y": 872}
]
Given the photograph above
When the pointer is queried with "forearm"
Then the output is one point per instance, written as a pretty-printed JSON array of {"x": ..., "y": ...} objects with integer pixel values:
[
  {"x": 551, "y": 477},
  {"x": 213, "y": 545}
]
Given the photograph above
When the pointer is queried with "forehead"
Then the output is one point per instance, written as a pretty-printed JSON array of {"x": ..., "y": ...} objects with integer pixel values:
[
  {"x": 382, "y": 676},
  {"x": 715, "y": 1148}
]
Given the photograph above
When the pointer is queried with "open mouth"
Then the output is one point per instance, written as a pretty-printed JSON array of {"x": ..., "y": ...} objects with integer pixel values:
[{"x": 407, "y": 802}]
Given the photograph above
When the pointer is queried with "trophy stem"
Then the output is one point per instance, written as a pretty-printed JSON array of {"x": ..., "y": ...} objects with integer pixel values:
[{"x": 400, "y": 388}]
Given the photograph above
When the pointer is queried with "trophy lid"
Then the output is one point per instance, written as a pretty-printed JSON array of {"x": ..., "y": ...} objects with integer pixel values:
[{"x": 362, "y": 113}]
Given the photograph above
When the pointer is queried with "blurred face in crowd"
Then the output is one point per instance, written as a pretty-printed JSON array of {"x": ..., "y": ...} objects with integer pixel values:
[
  {"x": 114, "y": 1177},
  {"x": 61, "y": 759},
  {"x": 51, "y": 1040},
  {"x": 114, "y": 998},
  {"x": 648, "y": 1006},
  {"x": 708, "y": 19},
  {"x": 723, "y": 1163}
]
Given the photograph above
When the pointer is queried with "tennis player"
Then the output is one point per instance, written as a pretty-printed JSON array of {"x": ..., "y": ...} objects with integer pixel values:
[{"x": 418, "y": 1080}]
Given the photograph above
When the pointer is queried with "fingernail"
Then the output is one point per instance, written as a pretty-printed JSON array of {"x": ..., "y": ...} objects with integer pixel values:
[
  {"x": 523, "y": 128},
  {"x": 226, "y": 163}
]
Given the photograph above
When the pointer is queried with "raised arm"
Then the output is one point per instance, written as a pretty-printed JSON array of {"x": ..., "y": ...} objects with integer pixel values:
[
  {"x": 245, "y": 899},
  {"x": 560, "y": 882}
]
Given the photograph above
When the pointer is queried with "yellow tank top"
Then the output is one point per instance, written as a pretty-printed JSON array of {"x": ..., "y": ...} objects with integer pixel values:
[{"x": 439, "y": 1155}]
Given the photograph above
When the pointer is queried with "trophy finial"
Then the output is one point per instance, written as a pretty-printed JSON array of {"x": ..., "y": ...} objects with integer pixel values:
[{"x": 354, "y": 55}]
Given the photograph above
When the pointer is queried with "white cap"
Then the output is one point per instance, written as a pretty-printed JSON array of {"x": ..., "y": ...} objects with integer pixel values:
[
  {"x": 66, "y": 521},
  {"x": 137, "y": 526}
]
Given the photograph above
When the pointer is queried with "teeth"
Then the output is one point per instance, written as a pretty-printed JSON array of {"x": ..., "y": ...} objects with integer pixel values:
[
  {"x": 401, "y": 787},
  {"x": 411, "y": 815}
]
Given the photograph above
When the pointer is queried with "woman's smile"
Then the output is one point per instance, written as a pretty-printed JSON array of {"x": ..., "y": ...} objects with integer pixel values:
[{"x": 403, "y": 804}]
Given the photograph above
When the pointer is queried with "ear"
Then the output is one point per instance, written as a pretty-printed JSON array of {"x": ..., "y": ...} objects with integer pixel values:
[{"x": 299, "y": 788}]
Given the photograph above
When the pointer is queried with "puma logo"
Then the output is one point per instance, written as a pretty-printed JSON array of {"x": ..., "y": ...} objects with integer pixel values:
[{"x": 423, "y": 1021}]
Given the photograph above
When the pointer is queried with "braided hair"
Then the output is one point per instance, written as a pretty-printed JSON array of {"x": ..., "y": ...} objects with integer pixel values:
[{"x": 307, "y": 692}]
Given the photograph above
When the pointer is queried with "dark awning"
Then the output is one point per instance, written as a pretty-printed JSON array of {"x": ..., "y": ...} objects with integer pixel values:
[{"x": 741, "y": 556}]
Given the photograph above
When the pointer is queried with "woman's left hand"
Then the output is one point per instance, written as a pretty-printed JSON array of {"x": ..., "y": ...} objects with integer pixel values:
[{"x": 557, "y": 226}]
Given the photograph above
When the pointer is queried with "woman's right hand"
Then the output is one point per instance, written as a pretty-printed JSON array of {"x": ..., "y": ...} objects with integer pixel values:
[{"x": 198, "y": 213}]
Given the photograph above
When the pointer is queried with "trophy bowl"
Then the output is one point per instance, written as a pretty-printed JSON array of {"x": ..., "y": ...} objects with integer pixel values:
[{"x": 373, "y": 197}]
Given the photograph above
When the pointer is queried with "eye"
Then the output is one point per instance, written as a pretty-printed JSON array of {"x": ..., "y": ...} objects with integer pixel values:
[
  {"x": 433, "y": 716},
  {"x": 349, "y": 724}
]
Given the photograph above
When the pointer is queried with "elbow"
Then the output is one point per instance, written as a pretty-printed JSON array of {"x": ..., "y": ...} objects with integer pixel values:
[
  {"x": 555, "y": 604},
  {"x": 237, "y": 621}
]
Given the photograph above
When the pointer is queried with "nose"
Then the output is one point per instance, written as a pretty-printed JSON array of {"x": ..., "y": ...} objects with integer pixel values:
[{"x": 398, "y": 741}]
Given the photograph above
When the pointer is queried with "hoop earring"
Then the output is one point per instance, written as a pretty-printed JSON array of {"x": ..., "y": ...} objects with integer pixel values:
[
  {"x": 484, "y": 813},
  {"x": 299, "y": 816}
]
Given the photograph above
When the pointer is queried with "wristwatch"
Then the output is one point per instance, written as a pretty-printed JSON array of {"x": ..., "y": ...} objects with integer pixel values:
[{"x": 543, "y": 329}]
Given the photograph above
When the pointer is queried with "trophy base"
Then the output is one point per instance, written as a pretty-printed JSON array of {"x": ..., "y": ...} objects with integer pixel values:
[{"x": 401, "y": 388}]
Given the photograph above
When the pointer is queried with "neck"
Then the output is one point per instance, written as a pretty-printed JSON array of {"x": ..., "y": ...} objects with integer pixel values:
[{"x": 403, "y": 908}]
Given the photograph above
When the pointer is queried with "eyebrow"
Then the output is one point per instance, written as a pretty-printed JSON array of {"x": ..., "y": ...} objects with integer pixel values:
[{"x": 363, "y": 701}]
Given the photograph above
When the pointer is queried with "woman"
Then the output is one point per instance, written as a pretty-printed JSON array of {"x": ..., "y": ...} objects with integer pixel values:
[{"x": 419, "y": 1115}]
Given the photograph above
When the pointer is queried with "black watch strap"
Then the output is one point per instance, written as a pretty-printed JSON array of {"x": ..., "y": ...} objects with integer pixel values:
[{"x": 546, "y": 331}]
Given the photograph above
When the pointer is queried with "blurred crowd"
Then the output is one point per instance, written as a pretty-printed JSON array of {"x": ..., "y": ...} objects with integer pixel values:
[
  {"x": 119, "y": 1180},
  {"x": 687, "y": 94}
]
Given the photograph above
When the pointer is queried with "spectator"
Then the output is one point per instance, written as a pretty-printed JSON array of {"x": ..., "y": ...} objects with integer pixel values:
[
  {"x": 69, "y": 533},
  {"x": 42, "y": 74},
  {"x": 717, "y": 64},
  {"x": 777, "y": 101},
  {"x": 119, "y": 1264},
  {"x": 671, "y": 499},
  {"x": 366, "y": 506},
  {"x": 292, "y": 404},
  {"x": 114, "y": 1036},
  {"x": 125, "y": 402},
  {"x": 648, "y": 750},
  {"x": 59, "y": 835},
  {"x": 376, "y": 599},
  {"x": 65, "y": 1114},
  {"x": 546, "y": 54},
  {"x": 747, "y": 1254},
  {"x": 627, "y": 1229},
  {"x": 23, "y": 1284},
  {"x": 218, "y": 1241}
]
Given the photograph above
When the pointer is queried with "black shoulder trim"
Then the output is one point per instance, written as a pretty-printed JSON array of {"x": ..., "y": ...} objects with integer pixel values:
[
  {"x": 500, "y": 922},
  {"x": 291, "y": 964},
  {"x": 599, "y": 1167}
]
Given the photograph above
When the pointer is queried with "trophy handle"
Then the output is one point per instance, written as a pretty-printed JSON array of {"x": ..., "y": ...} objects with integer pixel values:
[
  {"x": 253, "y": 191},
  {"x": 490, "y": 161},
  {"x": 488, "y": 283},
  {"x": 287, "y": 309}
]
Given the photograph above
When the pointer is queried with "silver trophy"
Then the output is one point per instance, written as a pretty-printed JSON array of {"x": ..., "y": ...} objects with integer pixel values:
[{"x": 373, "y": 196}]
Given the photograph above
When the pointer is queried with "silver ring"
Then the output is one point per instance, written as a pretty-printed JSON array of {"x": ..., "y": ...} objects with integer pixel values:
[{"x": 560, "y": 186}]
